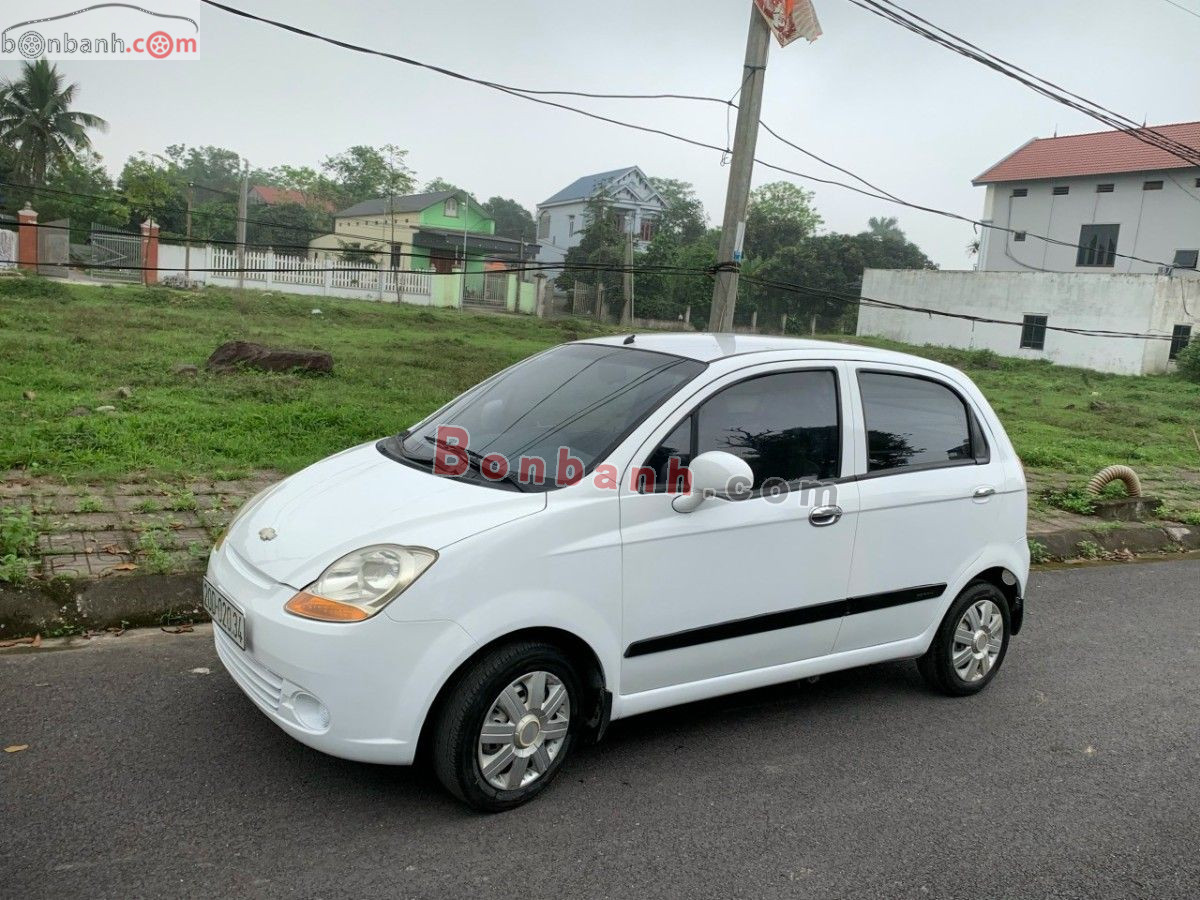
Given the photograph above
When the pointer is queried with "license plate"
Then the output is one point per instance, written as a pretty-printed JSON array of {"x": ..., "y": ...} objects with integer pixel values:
[{"x": 222, "y": 610}]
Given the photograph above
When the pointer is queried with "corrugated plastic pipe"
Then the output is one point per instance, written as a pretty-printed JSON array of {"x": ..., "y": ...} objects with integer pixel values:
[{"x": 1133, "y": 484}]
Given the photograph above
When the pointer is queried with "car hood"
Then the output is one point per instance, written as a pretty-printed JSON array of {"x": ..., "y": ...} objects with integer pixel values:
[{"x": 361, "y": 497}]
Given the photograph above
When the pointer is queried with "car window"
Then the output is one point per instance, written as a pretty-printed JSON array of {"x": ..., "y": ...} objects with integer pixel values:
[
  {"x": 912, "y": 421},
  {"x": 783, "y": 425}
]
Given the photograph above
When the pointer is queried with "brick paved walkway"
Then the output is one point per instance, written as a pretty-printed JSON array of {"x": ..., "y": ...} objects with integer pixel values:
[{"x": 103, "y": 530}]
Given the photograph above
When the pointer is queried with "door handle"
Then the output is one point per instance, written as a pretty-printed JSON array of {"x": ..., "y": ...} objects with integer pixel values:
[
  {"x": 824, "y": 515},
  {"x": 982, "y": 493}
]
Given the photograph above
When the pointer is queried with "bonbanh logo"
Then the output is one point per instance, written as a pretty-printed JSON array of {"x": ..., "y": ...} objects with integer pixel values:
[{"x": 103, "y": 31}]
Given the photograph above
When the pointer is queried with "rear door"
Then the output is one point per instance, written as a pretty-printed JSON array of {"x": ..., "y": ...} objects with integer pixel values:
[
  {"x": 927, "y": 501},
  {"x": 739, "y": 584}
]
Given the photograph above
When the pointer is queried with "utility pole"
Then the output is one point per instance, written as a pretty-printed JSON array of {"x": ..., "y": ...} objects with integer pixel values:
[
  {"x": 741, "y": 168},
  {"x": 187, "y": 247},
  {"x": 627, "y": 309},
  {"x": 462, "y": 290},
  {"x": 243, "y": 203}
]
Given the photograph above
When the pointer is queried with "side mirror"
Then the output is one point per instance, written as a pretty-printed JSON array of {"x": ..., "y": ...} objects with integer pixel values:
[{"x": 715, "y": 474}]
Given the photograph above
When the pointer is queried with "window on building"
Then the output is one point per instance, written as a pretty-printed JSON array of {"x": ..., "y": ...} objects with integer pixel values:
[
  {"x": 1019, "y": 236},
  {"x": 1105, "y": 188},
  {"x": 1181, "y": 336},
  {"x": 1060, "y": 189},
  {"x": 1020, "y": 192},
  {"x": 544, "y": 225},
  {"x": 1152, "y": 186},
  {"x": 649, "y": 226},
  {"x": 912, "y": 422},
  {"x": 452, "y": 207},
  {"x": 570, "y": 224},
  {"x": 1033, "y": 333},
  {"x": 1097, "y": 246},
  {"x": 1186, "y": 259}
]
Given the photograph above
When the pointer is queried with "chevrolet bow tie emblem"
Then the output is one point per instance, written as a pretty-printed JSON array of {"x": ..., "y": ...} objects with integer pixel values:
[{"x": 267, "y": 534}]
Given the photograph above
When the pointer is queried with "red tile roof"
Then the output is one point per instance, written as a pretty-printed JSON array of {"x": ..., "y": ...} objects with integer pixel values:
[
  {"x": 273, "y": 196},
  {"x": 1098, "y": 153}
]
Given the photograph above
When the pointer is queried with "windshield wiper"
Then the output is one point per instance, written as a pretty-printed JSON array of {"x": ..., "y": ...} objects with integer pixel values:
[{"x": 476, "y": 460}]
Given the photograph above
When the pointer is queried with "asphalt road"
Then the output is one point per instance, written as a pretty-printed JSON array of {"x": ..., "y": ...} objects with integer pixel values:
[{"x": 1074, "y": 775}]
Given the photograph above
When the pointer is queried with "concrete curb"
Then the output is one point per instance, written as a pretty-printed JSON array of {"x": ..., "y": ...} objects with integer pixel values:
[
  {"x": 1132, "y": 537},
  {"x": 74, "y": 606}
]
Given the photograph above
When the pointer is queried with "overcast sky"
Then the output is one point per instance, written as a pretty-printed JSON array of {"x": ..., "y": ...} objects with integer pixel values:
[{"x": 902, "y": 112}]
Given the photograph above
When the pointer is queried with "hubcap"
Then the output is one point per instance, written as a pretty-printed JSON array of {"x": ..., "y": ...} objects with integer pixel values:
[
  {"x": 978, "y": 638},
  {"x": 524, "y": 731}
]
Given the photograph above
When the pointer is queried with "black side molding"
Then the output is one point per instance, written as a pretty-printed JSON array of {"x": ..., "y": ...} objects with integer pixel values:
[{"x": 790, "y": 618}]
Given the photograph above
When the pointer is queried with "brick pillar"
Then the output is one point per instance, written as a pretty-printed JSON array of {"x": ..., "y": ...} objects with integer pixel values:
[
  {"x": 150, "y": 252},
  {"x": 27, "y": 238}
]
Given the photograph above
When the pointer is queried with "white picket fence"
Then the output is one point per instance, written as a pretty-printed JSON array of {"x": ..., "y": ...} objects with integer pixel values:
[{"x": 269, "y": 268}]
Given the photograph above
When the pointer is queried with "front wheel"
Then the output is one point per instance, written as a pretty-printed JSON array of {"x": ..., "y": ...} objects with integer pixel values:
[
  {"x": 508, "y": 726},
  {"x": 971, "y": 642}
]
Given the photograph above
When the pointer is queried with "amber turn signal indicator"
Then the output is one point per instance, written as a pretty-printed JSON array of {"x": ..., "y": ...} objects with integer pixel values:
[{"x": 310, "y": 606}]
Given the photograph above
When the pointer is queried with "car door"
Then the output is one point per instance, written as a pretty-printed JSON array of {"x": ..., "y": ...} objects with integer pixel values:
[
  {"x": 739, "y": 584},
  {"x": 927, "y": 501}
]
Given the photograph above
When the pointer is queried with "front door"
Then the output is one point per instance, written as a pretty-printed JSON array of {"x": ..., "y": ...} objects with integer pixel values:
[
  {"x": 738, "y": 584},
  {"x": 441, "y": 261},
  {"x": 928, "y": 503}
]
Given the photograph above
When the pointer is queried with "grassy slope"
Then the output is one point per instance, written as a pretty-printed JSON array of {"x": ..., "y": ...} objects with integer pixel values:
[{"x": 76, "y": 345}]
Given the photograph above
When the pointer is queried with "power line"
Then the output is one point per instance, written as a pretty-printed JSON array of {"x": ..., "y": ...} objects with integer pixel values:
[
  {"x": 897, "y": 14},
  {"x": 875, "y": 193},
  {"x": 1190, "y": 12},
  {"x": 675, "y": 271}
]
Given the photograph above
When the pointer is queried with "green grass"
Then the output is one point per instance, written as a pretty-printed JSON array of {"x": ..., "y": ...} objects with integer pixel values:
[{"x": 74, "y": 345}]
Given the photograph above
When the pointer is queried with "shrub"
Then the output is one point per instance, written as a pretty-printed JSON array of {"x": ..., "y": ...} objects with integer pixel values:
[
  {"x": 33, "y": 286},
  {"x": 1188, "y": 361}
]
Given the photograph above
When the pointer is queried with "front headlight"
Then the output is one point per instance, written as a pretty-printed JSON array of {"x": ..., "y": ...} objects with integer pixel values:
[{"x": 361, "y": 583}]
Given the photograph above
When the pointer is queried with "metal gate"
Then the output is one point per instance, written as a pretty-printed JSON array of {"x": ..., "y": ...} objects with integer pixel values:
[
  {"x": 54, "y": 248},
  {"x": 116, "y": 255}
]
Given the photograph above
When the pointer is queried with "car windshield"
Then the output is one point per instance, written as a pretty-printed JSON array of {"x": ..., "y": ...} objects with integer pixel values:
[{"x": 548, "y": 421}]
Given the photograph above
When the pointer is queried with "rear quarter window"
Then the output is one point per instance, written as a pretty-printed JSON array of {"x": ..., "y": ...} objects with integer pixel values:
[{"x": 915, "y": 422}]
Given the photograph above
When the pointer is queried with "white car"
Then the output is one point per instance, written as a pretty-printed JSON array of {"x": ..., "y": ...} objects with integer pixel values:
[{"x": 618, "y": 525}]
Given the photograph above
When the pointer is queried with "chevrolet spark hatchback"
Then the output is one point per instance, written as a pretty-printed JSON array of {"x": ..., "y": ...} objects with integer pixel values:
[{"x": 619, "y": 525}]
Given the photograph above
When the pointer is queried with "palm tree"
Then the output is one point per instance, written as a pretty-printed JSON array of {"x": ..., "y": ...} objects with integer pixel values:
[
  {"x": 885, "y": 228},
  {"x": 36, "y": 120}
]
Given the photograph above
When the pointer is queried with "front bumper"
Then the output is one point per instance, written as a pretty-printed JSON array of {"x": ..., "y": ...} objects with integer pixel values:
[{"x": 358, "y": 691}]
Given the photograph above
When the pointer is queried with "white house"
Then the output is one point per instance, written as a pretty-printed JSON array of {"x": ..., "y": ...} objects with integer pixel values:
[
  {"x": 1107, "y": 192},
  {"x": 561, "y": 219},
  {"x": 1101, "y": 199}
]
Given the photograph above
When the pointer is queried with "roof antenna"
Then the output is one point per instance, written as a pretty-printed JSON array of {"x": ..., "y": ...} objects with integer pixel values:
[{"x": 629, "y": 340}]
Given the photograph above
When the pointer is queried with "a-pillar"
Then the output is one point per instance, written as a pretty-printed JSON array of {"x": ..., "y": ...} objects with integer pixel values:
[
  {"x": 150, "y": 252},
  {"x": 27, "y": 238}
]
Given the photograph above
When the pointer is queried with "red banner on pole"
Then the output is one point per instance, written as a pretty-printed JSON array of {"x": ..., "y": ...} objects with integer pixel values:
[{"x": 790, "y": 19}]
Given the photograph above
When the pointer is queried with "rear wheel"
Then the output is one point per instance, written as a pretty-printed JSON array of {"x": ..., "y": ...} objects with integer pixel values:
[
  {"x": 971, "y": 642},
  {"x": 507, "y": 727}
]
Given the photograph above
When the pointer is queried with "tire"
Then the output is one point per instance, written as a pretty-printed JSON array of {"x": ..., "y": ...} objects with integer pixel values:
[
  {"x": 496, "y": 690},
  {"x": 977, "y": 668}
]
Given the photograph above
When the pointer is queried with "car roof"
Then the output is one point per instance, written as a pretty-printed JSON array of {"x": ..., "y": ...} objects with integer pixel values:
[{"x": 710, "y": 347}]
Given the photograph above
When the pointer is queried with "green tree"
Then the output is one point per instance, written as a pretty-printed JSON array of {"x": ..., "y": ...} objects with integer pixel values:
[
  {"x": 886, "y": 228},
  {"x": 85, "y": 196},
  {"x": 780, "y": 215},
  {"x": 512, "y": 219},
  {"x": 831, "y": 263},
  {"x": 36, "y": 119},
  {"x": 441, "y": 184},
  {"x": 287, "y": 226},
  {"x": 362, "y": 172},
  {"x": 601, "y": 246},
  {"x": 684, "y": 219}
]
